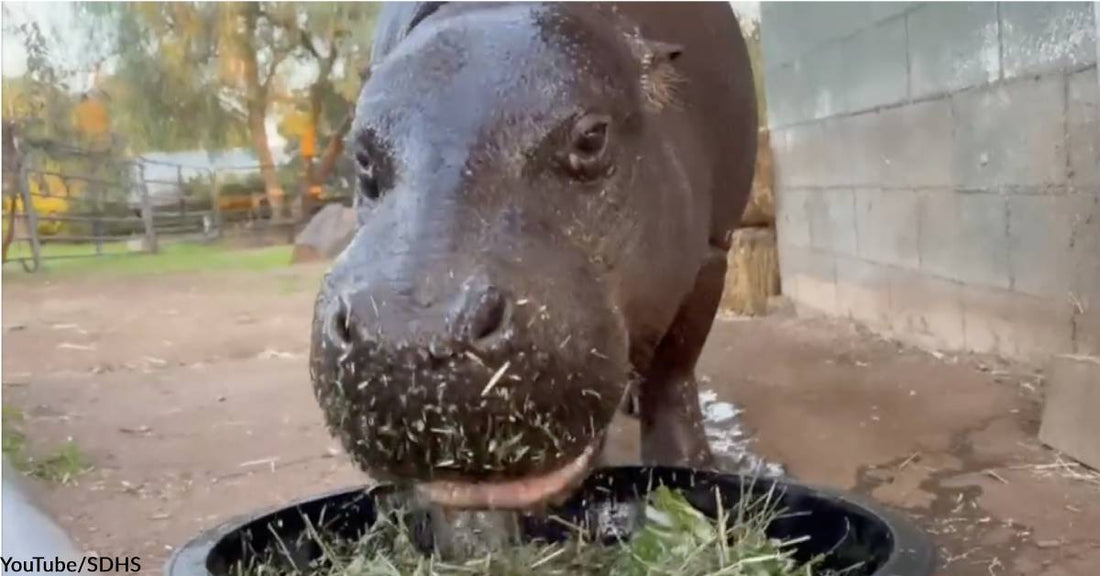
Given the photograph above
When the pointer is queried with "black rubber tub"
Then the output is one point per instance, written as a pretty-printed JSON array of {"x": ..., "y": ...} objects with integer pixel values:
[{"x": 847, "y": 530}]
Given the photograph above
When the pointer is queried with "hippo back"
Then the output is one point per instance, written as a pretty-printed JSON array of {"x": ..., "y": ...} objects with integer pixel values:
[{"x": 718, "y": 97}]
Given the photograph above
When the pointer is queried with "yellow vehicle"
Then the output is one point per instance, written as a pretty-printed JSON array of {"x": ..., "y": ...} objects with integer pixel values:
[{"x": 46, "y": 204}]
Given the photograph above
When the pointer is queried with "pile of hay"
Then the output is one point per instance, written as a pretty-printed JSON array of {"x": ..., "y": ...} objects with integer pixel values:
[{"x": 753, "y": 274}]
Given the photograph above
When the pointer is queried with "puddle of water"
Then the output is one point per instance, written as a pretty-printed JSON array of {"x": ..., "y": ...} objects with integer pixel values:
[{"x": 730, "y": 441}]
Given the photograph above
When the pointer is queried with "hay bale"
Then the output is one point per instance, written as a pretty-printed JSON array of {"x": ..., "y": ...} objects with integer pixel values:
[
  {"x": 327, "y": 234},
  {"x": 760, "y": 210},
  {"x": 753, "y": 275}
]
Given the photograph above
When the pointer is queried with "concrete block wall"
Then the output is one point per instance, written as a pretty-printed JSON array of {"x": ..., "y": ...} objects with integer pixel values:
[{"x": 938, "y": 169}]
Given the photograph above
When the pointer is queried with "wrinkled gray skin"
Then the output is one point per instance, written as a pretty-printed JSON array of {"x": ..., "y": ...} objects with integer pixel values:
[{"x": 540, "y": 201}]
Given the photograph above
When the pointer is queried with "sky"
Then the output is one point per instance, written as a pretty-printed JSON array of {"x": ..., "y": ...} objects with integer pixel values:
[{"x": 51, "y": 16}]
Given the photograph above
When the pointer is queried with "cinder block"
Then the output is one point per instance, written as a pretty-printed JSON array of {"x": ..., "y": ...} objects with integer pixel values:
[
  {"x": 789, "y": 30},
  {"x": 801, "y": 161},
  {"x": 952, "y": 46},
  {"x": 817, "y": 293},
  {"x": 792, "y": 219},
  {"x": 1072, "y": 402},
  {"x": 860, "y": 142},
  {"x": 778, "y": 44},
  {"x": 809, "y": 88},
  {"x": 833, "y": 221},
  {"x": 1049, "y": 242},
  {"x": 886, "y": 226},
  {"x": 926, "y": 310},
  {"x": 914, "y": 144},
  {"x": 1016, "y": 325},
  {"x": 1086, "y": 283},
  {"x": 863, "y": 292},
  {"x": 814, "y": 278},
  {"x": 1041, "y": 36},
  {"x": 876, "y": 66},
  {"x": 1083, "y": 122},
  {"x": 877, "y": 12},
  {"x": 964, "y": 237},
  {"x": 1085, "y": 240},
  {"x": 836, "y": 163},
  {"x": 845, "y": 18},
  {"x": 783, "y": 89},
  {"x": 825, "y": 84},
  {"x": 793, "y": 29},
  {"x": 1011, "y": 135},
  {"x": 788, "y": 270},
  {"x": 1087, "y": 328}
]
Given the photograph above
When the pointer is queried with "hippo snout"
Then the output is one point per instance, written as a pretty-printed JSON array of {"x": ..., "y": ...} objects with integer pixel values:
[
  {"x": 479, "y": 315},
  {"x": 480, "y": 384}
]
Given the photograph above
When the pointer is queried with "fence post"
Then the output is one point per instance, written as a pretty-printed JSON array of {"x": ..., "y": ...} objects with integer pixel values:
[
  {"x": 183, "y": 201},
  {"x": 32, "y": 216},
  {"x": 97, "y": 219},
  {"x": 147, "y": 214},
  {"x": 216, "y": 203}
]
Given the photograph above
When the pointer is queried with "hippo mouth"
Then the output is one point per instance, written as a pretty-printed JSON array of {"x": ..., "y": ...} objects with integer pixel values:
[{"x": 521, "y": 493}]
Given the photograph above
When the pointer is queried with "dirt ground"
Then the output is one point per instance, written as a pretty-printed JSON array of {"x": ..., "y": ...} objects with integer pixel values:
[{"x": 189, "y": 394}]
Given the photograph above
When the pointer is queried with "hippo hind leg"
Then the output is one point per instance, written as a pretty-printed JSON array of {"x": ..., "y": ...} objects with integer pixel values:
[{"x": 672, "y": 431}]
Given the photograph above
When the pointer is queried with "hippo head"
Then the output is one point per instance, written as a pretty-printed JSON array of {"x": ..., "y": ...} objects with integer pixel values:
[{"x": 516, "y": 258}]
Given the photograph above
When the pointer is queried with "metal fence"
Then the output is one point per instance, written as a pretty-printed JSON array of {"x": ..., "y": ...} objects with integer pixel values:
[{"x": 68, "y": 203}]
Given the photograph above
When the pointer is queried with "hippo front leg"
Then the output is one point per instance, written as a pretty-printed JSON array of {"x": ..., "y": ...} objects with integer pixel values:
[{"x": 668, "y": 397}]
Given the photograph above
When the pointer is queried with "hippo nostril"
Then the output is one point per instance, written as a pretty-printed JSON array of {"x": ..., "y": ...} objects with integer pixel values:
[
  {"x": 339, "y": 326},
  {"x": 482, "y": 313},
  {"x": 489, "y": 314}
]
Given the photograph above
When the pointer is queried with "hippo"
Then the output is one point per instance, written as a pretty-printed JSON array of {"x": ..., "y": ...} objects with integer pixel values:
[{"x": 546, "y": 197}]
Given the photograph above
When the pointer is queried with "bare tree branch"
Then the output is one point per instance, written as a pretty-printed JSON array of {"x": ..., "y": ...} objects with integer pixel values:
[{"x": 276, "y": 59}]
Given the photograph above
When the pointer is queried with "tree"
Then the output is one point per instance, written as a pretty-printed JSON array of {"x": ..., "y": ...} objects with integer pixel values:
[
  {"x": 336, "y": 37},
  {"x": 206, "y": 74},
  {"x": 163, "y": 84},
  {"x": 36, "y": 104},
  {"x": 35, "y": 107},
  {"x": 195, "y": 75}
]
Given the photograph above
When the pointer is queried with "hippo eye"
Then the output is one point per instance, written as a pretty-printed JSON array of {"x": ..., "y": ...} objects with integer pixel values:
[
  {"x": 588, "y": 146},
  {"x": 368, "y": 179}
]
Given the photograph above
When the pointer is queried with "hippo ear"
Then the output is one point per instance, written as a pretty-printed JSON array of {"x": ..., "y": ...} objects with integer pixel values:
[
  {"x": 660, "y": 78},
  {"x": 664, "y": 52}
]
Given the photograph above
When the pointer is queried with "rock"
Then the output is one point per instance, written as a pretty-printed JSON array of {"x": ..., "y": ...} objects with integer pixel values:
[
  {"x": 326, "y": 235},
  {"x": 1070, "y": 422}
]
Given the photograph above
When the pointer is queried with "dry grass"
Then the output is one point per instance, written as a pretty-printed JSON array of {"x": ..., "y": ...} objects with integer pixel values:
[{"x": 1066, "y": 469}]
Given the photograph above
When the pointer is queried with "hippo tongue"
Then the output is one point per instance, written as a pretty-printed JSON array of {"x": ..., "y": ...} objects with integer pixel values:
[{"x": 509, "y": 494}]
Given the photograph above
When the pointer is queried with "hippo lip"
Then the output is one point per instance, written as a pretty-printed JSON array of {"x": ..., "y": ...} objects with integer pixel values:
[{"x": 519, "y": 493}]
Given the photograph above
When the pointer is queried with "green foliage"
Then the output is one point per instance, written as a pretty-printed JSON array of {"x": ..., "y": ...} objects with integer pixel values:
[
  {"x": 674, "y": 539},
  {"x": 62, "y": 466},
  {"x": 165, "y": 92},
  {"x": 15, "y": 442},
  {"x": 172, "y": 259},
  {"x": 187, "y": 75},
  {"x": 38, "y": 102}
]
